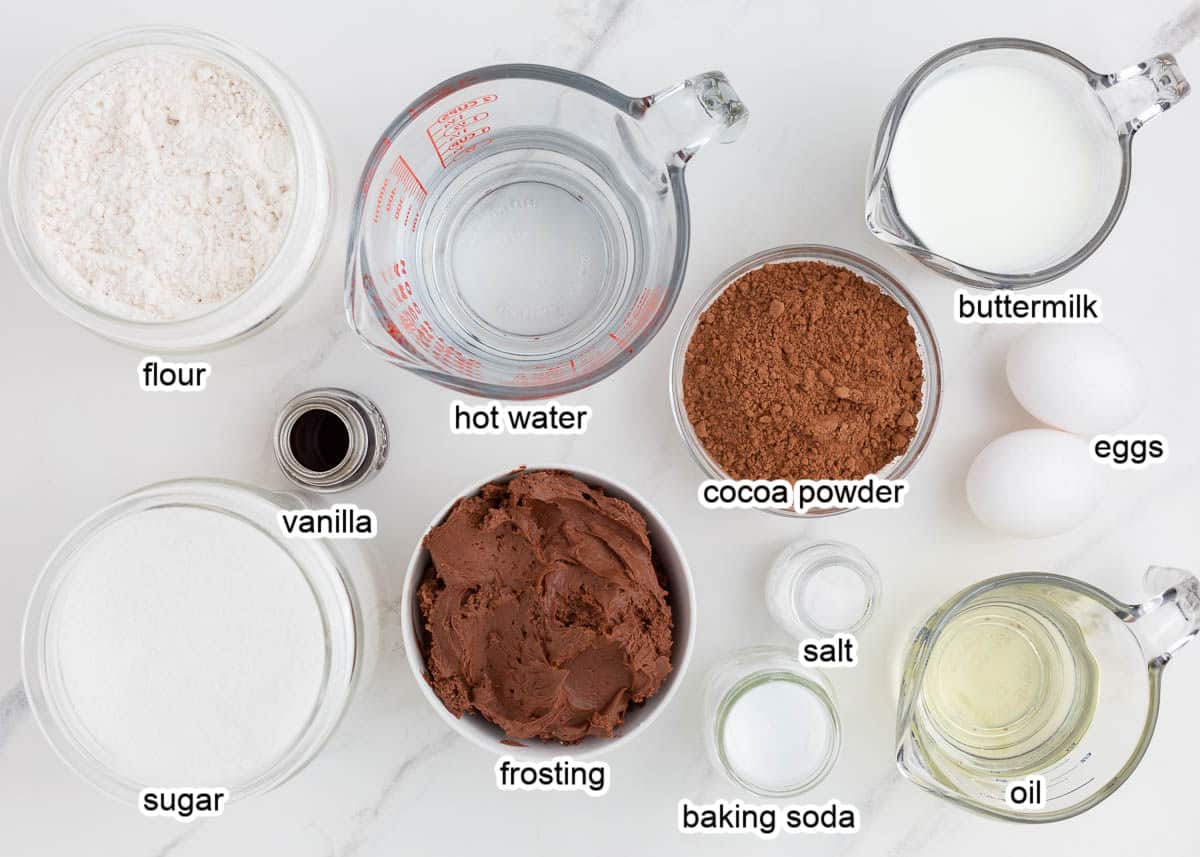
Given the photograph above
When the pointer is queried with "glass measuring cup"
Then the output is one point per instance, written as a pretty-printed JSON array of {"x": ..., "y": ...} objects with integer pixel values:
[
  {"x": 522, "y": 231},
  {"x": 1111, "y": 108},
  {"x": 1095, "y": 665}
]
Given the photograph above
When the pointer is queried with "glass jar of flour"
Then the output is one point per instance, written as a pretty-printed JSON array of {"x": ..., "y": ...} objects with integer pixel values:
[
  {"x": 165, "y": 188},
  {"x": 177, "y": 640}
]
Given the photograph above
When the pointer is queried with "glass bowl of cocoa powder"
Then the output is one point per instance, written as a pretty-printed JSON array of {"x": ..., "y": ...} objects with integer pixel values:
[{"x": 806, "y": 362}]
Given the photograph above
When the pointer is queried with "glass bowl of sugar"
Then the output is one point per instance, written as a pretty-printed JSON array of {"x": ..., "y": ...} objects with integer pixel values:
[
  {"x": 176, "y": 640},
  {"x": 166, "y": 189}
]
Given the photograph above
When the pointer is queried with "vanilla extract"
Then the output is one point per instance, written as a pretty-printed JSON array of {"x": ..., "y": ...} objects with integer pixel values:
[{"x": 330, "y": 439}]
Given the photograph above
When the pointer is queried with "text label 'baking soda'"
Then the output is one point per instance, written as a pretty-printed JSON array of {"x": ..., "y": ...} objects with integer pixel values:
[
  {"x": 560, "y": 774},
  {"x": 805, "y": 494},
  {"x": 840, "y": 650},
  {"x": 183, "y": 804},
  {"x": 496, "y": 418},
  {"x": 339, "y": 521},
  {"x": 158, "y": 375},
  {"x": 767, "y": 820},
  {"x": 1129, "y": 451},
  {"x": 1075, "y": 306}
]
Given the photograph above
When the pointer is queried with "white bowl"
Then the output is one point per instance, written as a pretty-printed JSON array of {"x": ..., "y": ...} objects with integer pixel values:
[{"x": 680, "y": 594}]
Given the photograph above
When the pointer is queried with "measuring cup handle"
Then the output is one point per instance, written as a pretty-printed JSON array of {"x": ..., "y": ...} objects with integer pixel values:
[
  {"x": 1166, "y": 622},
  {"x": 1137, "y": 94},
  {"x": 693, "y": 113}
]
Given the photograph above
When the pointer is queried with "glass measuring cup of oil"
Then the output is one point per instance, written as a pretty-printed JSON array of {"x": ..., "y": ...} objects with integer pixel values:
[
  {"x": 522, "y": 231},
  {"x": 1039, "y": 675},
  {"x": 1004, "y": 163}
]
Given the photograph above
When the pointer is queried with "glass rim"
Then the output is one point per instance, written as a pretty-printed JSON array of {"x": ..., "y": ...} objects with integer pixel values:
[
  {"x": 927, "y": 349},
  {"x": 759, "y": 677},
  {"x": 916, "y": 661},
  {"x": 450, "y": 86},
  {"x": 286, "y": 275},
  {"x": 841, "y": 555},
  {"x": 323, "y": 573},
  {"x": 967, "y": 275}
]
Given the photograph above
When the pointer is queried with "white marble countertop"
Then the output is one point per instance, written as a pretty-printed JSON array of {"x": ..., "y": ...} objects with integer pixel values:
[{"x": 76, "y": 432}]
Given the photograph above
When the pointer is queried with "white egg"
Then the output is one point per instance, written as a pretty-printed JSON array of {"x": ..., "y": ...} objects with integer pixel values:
[
  {"x": 1076, "y": 377},
  {"x": 1034, "y": 483}
]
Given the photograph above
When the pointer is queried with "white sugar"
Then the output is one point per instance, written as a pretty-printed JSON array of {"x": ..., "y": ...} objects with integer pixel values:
[{"x": 190, "y": 648}]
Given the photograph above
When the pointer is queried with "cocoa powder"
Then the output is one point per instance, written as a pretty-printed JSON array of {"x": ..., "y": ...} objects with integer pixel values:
[{"x": 803, "y": 370}]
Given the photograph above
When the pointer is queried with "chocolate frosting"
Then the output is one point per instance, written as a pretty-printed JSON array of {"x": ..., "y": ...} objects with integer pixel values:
[{"x": 543, "y": 609}]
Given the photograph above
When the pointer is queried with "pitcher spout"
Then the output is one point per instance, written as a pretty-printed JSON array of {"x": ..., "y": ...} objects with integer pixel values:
[{"x": 686, "y": 117}]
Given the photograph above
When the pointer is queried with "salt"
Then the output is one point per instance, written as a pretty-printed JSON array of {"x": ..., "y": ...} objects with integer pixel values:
[
  {"x": 777, "y": 735},
  {"x": 834, "y": 597},
  {"x": 818, "y": 589},
  {"x": 190, "y": 647}
]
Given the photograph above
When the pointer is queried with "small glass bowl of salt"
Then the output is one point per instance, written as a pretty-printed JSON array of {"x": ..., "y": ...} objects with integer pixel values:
[{"x": 819, "y": 589}]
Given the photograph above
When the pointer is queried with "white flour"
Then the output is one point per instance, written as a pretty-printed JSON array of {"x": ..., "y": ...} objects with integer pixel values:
[
  {"x": 165, "y": 187},
  {"x": 190, "y": 648}
]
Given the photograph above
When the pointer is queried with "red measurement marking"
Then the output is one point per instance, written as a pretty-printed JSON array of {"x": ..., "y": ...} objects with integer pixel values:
[
  {"x": 444, "y": 91},
  {"x": 401, "y": 195},
  {"x": 539, "y": 377},
  {"x": 461, "y": 129},
  {"x": 383, "y": 146},
  {"x": 404, "y": 323},
  {"x": 405, "y": 173},
  {"x": 641, "y": 314}
]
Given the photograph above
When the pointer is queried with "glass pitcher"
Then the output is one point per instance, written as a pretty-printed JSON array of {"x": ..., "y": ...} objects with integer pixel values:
[
  {"x": 522, "y": 231},
  {"x": 1103, "y": 111},
  {"x": 1038, "y": 676}
]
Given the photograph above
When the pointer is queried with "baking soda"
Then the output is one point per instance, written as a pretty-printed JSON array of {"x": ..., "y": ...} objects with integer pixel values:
[
  {"x": 190, "y": 648},
  {"x": 1008, "y": 167},
  {"x": 776, "y": 735}
]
